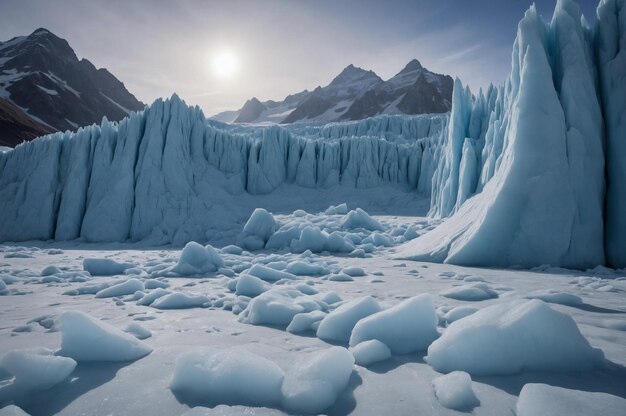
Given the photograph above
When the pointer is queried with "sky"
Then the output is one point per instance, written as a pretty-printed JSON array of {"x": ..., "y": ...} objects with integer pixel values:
[{"x": 276, "y": 47}]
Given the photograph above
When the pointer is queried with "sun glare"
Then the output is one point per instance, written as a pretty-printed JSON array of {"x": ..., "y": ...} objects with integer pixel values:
[{"x": 225, "y": 63}]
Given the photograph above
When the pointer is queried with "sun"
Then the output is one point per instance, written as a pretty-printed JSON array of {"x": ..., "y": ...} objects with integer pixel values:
[{"x": 225, "y": 63}]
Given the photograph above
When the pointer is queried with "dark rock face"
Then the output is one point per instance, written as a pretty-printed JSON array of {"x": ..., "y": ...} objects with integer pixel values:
[
  {"x": 42, "y": 75},
  {"x": 355, "y": 94},
  {"x": 16, "y": 126}
]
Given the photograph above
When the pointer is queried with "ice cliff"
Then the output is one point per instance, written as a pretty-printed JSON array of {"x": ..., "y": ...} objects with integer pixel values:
[
  {"x": 534, "y": 172},
  {"x": 167, "y": 175}
]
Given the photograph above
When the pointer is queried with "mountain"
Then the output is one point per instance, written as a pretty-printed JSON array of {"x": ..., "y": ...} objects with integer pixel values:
[
  {"x": 355, "y": 94},
  {"x": 41, "y": 75},
  {"x": 16, "y": 126}
]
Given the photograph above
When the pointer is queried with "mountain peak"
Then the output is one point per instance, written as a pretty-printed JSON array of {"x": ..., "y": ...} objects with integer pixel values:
[
  {"x": 352, "y": 74},
  {"x": 413, "y": 65},
  {"x": 41, "y": 31}
]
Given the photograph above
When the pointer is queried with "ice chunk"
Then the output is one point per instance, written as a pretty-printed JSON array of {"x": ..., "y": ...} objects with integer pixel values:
[
  {"x": 315, "y": 384},
  {"x": 236, "y": 250},
  {"x": 179, "y": 300},
  {"x": 458, "y": 313},
  {"x": 152, "y": 296},
  {"x": 470, "y": 292},
  {"x": 196, "y": 259},
  {"x": 302, "y": 322},
  {"x": 155, "y": 284},
  {"x": 454, "y": 391},
  {"x": 51, "y": 270},
  {"x": 274, "y": 307},
  {"x": 231, "y": 376},
  {"x": 36, "y": 369},
  {"x": 250, "y": 286},
  {"x": 354, "y": 271},
  {"x": 268, "y": 274},
  {"x": 370, "y": 352},
  {"x": 337, "y": 326},
  {"x": 408, "y": 326},
  {"x": 302, "y": 268},
  {"x": 553, "y": 296},
  {"x": 510, "y": 337},
  {"x": 105, "y": 267},
  {"x": 121, "y": 289},
  {"x": 257, "y": 230},
  {"x": 542, "y": 399},
  {"x": 340, "y": 209},
  {"x": 140, "y": 332},
  {"x": 360, "y": 219},
  {"x": 85, "y": 338}
]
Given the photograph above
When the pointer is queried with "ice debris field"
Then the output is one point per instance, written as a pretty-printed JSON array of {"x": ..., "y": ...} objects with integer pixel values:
[
  {"x": 330, "y": 322},
  {"x": 435, "y": 264}
]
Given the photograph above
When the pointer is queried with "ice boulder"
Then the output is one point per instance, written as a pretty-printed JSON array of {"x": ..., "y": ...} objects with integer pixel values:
[
  {"x": 454, "y": 391},
  {"x": 250, "y": 286},
  {"x": 370, "y": 352},
  {"x": 152, "y": 296},
  {"x": 408, "y": 326},
  {"x": 317, "y": 382},
  {"x": 302, "y": 268},
  {"x": 51, "y": 270},
  {"x": 257, "y": 230},
  {"x": 511, "y": 337},
  {"x": 360, "y": 219},
  {"x": 274, "y": 307},
  {"x": 121, "y": 289},
  {"x": 268, "y": 274},
  {"x": 180, "y": 300},
  {"x": 554, "y": 296},
  {"x": 458, "y": 313},
  {"x": 340, "y": 209},
  {"x": 231, "y": 376},
  {"x": 470, "y": 292},
  {"x": 85, "y": 338},
  {"x": 196, "y": 259},
  {"x": 36, "y": 369},
  {"x": 337, "y": 326},
  {"x": 542, "y": 399},
  {"x": 105, "y": 267},
  {"x": 138, "y": 331},
  {"x": 304, "y": 321}
]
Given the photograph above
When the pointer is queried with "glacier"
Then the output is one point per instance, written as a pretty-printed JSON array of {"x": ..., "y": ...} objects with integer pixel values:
[
  {"x": 533, "y": 172},
  {"x": 527, "y": 173},
  {"x": 169, "y": 175}
]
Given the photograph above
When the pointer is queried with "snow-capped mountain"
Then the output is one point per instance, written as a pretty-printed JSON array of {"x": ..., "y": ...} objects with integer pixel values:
[
  {"x": 354, "y": 94},
  {"x": 41, "y": 76}
]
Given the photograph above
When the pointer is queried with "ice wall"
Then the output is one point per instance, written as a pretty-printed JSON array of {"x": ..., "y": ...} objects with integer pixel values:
[
  {"x": 532, "y": 153},
  {"x": 166, "y": 175},
  {"x": 610, "y": 46}
]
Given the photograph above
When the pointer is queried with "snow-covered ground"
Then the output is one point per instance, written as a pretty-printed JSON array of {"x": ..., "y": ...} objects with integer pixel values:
[{"x": 205, "y": 346}]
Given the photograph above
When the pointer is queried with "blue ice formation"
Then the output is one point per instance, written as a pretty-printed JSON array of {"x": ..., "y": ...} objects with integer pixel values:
[
  {"x": 167, "y": 175},
  {"x": 544, "y": 155}
]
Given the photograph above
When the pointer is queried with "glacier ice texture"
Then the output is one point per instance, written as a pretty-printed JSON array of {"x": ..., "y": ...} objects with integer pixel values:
[{"x": 522, "y": 177}]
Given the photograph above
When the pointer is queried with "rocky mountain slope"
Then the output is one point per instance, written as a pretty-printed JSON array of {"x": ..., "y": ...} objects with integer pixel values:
[{"x": 41, "y": 77}]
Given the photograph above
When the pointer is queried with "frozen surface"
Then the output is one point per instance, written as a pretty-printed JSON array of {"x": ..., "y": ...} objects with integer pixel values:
[
  {"x": 30, "y": 314},
  {"x": 542, "y": 399},
  {"x": 454, "y": 391},
  {"x": 511, "y": 337}
]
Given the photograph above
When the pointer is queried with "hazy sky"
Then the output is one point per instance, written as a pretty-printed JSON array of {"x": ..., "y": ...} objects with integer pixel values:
[{"x": 158, "y": 47}]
